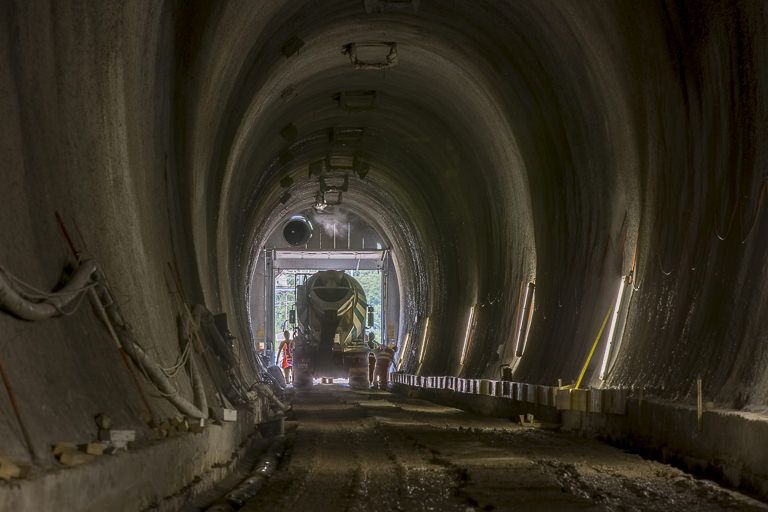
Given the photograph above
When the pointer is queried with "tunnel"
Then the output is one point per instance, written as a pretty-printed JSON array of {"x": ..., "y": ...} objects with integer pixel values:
[{"x": 563, "y": 203}]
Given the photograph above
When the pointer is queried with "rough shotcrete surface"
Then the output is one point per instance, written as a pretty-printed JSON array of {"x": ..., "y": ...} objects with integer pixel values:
[
  {"x": 375, "y": 451},
  {"x": 568, "y": 142}
]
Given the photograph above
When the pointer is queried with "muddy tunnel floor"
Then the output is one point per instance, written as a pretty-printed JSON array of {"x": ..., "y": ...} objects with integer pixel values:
[{"x": 377, "y": 451}]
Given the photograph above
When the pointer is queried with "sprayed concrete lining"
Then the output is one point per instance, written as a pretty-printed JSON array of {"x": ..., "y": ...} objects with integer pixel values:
[{"x": 563, "y": 143}]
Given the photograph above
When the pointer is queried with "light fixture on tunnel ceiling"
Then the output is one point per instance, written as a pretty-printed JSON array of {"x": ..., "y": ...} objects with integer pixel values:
[
  {"x": 339, "y": 162},
  {"x": 345, "y": 135},
  {"x": 424, "y": 339},
  {"x": 330, "y": 193},
  {"x": 357, "y": 101},
  {"x": 298, "y": 230},
  {"x": 320, "y": 204},
  {"x": 371, "y": 55},
  {"x": 524, "y": 326},
  {"x": 467, "y": 335},
  {"x": 614, "y": 321}
]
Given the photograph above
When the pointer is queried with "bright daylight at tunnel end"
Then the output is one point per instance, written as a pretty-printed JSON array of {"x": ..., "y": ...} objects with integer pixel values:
[{"x": 383, "y": 255}]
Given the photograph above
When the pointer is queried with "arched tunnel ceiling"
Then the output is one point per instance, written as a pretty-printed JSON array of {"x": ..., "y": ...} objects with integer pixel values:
[
  {"x": 555, "y": 179},
  {"x": 510, "y": 141}
]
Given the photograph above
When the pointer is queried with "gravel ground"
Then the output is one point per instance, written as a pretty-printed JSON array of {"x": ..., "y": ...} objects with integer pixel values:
[{"x": 374, "y": 451}]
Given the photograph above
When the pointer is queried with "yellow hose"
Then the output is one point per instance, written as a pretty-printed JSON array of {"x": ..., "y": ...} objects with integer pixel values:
[{"x": 594, "y": 346}]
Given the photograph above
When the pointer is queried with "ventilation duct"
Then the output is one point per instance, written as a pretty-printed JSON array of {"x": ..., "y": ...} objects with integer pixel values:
[{"x": 298, "y": 230}]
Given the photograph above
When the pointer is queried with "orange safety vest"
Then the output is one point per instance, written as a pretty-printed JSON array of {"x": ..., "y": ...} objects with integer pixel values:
[{"x": 287, "y": 355}]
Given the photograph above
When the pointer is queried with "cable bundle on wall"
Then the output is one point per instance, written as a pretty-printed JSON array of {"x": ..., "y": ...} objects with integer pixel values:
[{"x": 27, "y": 302}]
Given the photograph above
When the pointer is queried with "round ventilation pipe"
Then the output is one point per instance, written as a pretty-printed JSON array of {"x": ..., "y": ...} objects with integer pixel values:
[{"x": 298, "y": 230}]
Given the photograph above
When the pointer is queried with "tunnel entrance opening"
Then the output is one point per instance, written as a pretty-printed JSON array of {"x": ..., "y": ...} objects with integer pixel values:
[
  {"x": 293, "y": 268},
  {"x": 334, "y": 306},
  {"x": 343, "y": 243}
]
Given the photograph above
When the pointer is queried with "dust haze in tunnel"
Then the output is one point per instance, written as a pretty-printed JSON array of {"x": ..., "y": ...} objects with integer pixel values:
[{"x": 565, "y": 143}]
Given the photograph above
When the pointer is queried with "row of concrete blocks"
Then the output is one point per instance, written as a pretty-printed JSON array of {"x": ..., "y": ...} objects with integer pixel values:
[{"x": 606, "y": 401}]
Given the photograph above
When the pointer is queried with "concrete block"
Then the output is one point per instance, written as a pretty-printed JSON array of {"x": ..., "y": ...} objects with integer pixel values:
[
  {"x": 93, "y": 448},
  {"x": 563, "y": 400},
  {"x": 75, "y": 458},
  {"x": 544, "y": 396},
  {"x": 530, "y": 393},
  {"x": 60, "y": 448},
  {"x": 595, "y": 401},
  {"x": 8, "y": 469},
  {"x": 124, "y": 436},
  {"x": 579, "y": 400},
  {"x": 615, "y": 401},
  {"x": 519, "y": 391}
]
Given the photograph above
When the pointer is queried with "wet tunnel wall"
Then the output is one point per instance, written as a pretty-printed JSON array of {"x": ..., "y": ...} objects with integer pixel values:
[{"x": 565, "y": 143}]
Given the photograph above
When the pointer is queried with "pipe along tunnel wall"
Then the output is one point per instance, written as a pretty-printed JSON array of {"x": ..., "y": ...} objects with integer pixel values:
[{"x": 491, "y": 144}]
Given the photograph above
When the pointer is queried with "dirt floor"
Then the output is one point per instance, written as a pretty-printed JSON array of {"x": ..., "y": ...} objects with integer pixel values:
[{"x": 375, "y": 451}]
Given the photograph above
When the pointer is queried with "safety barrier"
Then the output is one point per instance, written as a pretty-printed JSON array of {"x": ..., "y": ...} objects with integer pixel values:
[{"x": 603, "y": 401}]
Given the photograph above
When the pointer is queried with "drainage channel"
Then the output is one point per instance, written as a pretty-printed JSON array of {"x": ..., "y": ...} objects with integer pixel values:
[{"x": 265, "y": 466}]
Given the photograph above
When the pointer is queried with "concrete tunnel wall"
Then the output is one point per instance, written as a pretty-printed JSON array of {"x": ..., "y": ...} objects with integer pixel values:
[{"x": 565, "y": 142}]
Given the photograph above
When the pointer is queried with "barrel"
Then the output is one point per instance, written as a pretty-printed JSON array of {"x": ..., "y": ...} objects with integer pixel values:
[
  {"x": 356, "y": 361},
  {"x": 381, "y": 371}
]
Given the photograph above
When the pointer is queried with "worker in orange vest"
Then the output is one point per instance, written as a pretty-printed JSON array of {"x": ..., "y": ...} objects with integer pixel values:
[
  {"x": 383, "y": 362},
  {"x": 286, "y": 348}
]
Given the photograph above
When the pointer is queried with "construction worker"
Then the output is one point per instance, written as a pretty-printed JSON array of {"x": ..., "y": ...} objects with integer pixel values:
[
  {"x": 286, "y": 347},
  {"x": 383, "y": 362},
  {"x": 371, "y": 367}
]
